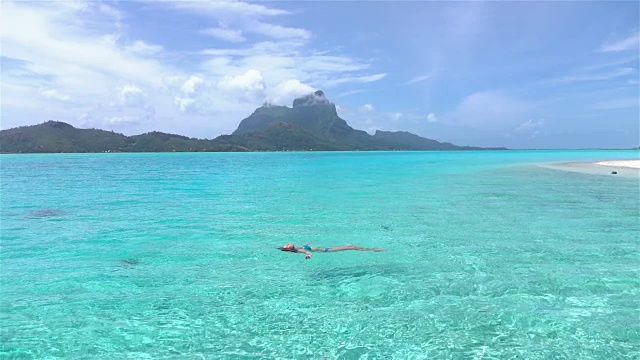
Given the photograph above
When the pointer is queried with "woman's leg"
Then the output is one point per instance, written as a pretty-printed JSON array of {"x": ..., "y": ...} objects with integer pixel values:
[{"x": 352, "y": 247}]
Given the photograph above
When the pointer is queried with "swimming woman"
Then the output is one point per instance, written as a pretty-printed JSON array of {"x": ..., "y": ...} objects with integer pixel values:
[{"x": 308, "y": 250}]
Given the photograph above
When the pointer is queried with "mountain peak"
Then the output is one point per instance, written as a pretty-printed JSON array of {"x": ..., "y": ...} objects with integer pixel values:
[
  {"x": 58, "y": 124},
  {"x": 316, "y": 98}
]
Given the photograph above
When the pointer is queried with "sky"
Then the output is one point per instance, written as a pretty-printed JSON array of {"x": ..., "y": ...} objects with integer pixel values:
[{"x": 484, "y": 73}]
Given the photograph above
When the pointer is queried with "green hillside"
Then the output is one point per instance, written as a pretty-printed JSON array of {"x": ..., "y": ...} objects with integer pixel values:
[{"x": 312, "y": 124}]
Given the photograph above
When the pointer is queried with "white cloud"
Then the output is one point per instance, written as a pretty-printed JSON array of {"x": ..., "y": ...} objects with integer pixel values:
[
  {"x": 417, "y": 79},
  {"x": 110, "y": 11},
  {"x": 286, "y": 56},
  {"x": 142, "y": 48},
  {"x": 317, "y": 98},
  {"x": 249, "y": 86},
  {"x": 194, "y": 94},
  {"x": 54, "y": 94},
  {"x": 234, "y": 36},
  {"x": 228, "y": 9},
  {"x": 613, "y": 63},
  {"x": 131, "y": 95},
  {"x": 183, "y": 104},
  {"x": 288, "y": 59},
  {"x": 530, "y": 125},
  {"x": 396, "y": 116},
  {"x": 487, "y": 109},
  {"x": 369, "y": 78},
  {"x": 354, "y": 79},
  {"x": 117, "y": 80},
  {"x": 529, "y": 128},
  {"x": 367, "y": 108},
  {"x": 286, "y": 91},
  {"x": 630, "y": 43},
  {"x": 110, "y": 40},
  {"x": 75, "y": 51},
  {"x": 351, "y": 92},
  {"x": 335, "y": 64},
  {"x": 85, "y": 120},
  {"x": 621, "y": 72},
  {"x": 62, "y": 57},
  {"x": 279, "y": 32},
  {"x": 117, "y": 117},
  {"x": 207, "y": 94},
  {"x": 191, "y": 85},
  {"x": 244, "y": 17},
  {"x": 48, "y": 41},
  {"x": 249, "y": 81},
  {"x": 118, "y": 120},
  {"x": 432, "y": 118}
]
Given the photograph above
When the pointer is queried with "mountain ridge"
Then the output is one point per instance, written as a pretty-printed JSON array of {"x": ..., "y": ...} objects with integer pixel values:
[{"x": 312, "y": 124}]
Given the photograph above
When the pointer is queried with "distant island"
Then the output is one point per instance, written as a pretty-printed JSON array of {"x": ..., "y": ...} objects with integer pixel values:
[{"x": 312, "y": 124}]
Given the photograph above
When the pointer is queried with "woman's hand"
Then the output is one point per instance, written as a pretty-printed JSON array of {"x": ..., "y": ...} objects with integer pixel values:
[{"x": 308, "y": 256}]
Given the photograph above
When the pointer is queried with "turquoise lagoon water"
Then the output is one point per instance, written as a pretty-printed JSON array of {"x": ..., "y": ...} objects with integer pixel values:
[{"x": 491, "y": 256}]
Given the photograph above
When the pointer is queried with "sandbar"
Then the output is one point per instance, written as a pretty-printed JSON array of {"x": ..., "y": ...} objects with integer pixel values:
[
  {"x": 623, "y": 168},
  {"x": 635, "y": 164}
]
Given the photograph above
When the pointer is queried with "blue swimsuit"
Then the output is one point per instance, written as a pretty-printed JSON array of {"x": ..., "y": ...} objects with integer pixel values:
[{"x": 308, "y": 248}]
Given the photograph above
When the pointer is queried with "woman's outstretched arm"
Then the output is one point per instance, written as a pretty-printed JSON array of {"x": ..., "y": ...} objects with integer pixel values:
[{"x": 305, "y": 252}]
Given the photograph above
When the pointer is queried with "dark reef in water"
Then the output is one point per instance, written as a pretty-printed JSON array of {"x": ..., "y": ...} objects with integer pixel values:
[
  {"x": 46, "y": 213},
  {"x": 129, "y": 262},
  {"x": 350, "y": 272}
]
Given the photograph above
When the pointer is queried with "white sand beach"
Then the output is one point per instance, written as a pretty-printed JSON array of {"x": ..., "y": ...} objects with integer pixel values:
[
  {"x": 621, "y": 168},
  {"x": 635, "y": 164}
]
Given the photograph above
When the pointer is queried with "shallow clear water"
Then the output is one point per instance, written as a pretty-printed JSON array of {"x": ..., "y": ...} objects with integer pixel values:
[{"x": 173, "y": 256}]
